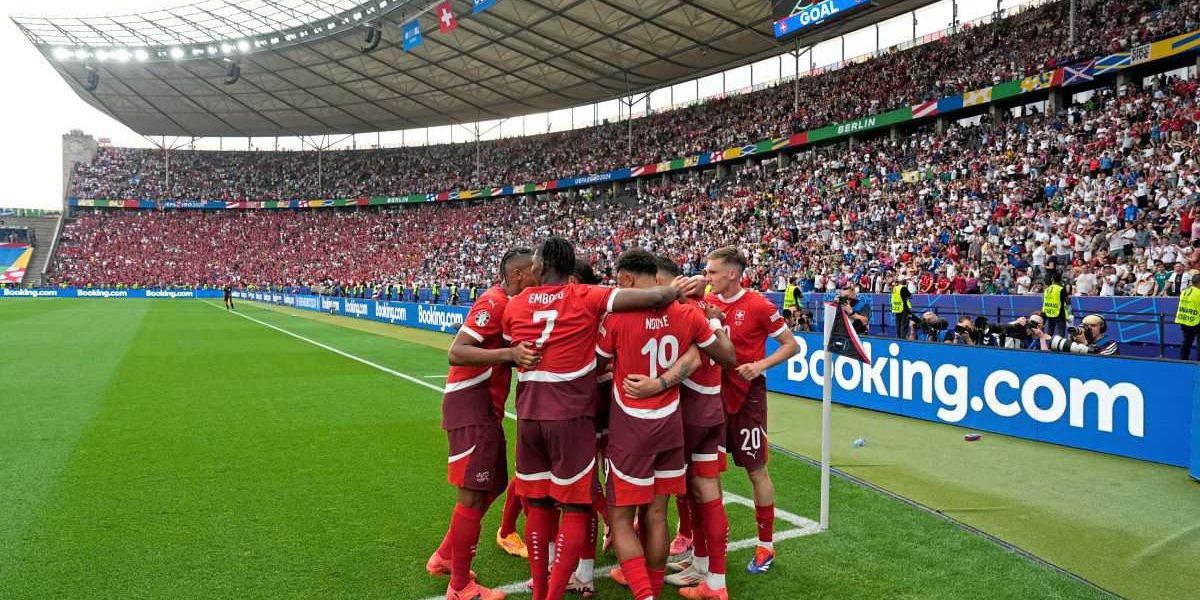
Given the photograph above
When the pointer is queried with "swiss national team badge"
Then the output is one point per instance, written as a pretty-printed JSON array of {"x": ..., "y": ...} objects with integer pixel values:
[
  {"x": 482, "y": 318},
  {"x": 739, "y": 316}
]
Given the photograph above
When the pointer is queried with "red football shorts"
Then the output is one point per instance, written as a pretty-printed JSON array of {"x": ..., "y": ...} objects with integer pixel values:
[
  {"x": 635, "y": 479},
  {"x": 704, "y": 448},
  {"x": 746, "y": 430},
  {"x": 478, "y": 458},
  {"x": 556, "y": 459}
]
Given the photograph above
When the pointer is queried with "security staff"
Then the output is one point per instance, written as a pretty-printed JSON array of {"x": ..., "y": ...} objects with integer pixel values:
[
  {"x": 791, "y": 297},
  {"x": 454, "y": 293},
  {"x": 1188, "y": 317},
  {"x": 901, "y": 306},
  {"x": 474, "y": 293},
  {"x": 437, "y": 292},
  {"x": 1056, "y": 304}
]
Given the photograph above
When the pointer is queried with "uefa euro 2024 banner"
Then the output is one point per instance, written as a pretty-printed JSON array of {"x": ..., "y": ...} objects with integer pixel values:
[{"x": 1125, "y": 406}]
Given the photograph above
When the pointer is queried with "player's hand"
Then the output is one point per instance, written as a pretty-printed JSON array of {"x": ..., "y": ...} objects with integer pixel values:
[
  {"x": 525, "y": 356},
  {"x": 750, "y": 371},
  {"x": 640, "y": 386},
  {"x": 713, "y": 312}
]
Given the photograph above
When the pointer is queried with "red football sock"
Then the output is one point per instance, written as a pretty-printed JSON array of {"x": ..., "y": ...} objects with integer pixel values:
[
  {"x": 539, "y": 522},
  {"x": 765, "y": 515},
  {"x": 699, "y": 537},
  {"x": 656, "y": 580},
  {"x": 716, "y": 534},
  {"x": 639, "y": 580},
  {"x": 512, "y": 509},
  {"x": 572, "y": 533},
  {"x": 599, "y": 502},
  {"x": 685, "y": 515},
  {"x": 445, "y": 550},
  {"x": 589, "y": 547},
  {"x": 464, "y": 530}
]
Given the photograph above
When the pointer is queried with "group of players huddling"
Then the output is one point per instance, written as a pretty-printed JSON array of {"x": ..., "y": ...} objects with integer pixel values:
[{"x": 652, "y": 380}]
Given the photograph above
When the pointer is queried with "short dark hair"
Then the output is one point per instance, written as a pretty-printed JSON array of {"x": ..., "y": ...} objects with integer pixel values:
[
  {"x": 668, "y": 266},
  {"x": 557, "y": 255},
  {"x": 638, "y": 262},
  {"x": 511, "y": 255},
  {"x": 730, "y": 254},
  {"x": 584, "y": 273}
]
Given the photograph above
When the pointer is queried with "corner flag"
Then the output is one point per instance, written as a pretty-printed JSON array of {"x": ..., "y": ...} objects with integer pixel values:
[{"x": 843, "y": 340}]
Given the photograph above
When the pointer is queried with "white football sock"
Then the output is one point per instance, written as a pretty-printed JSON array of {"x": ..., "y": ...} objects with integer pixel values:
[
  {"x": 700, "y": 563},
  {"x": 584, "y": 571},
  {"x": 716, "y": 581}
]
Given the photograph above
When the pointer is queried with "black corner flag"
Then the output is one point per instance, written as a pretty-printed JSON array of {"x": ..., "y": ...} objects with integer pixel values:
[{"x": 843, "y": 339}]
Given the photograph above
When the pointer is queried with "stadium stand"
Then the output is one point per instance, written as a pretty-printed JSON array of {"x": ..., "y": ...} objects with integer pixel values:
[
  {"x": 977, "y": 56},
  {"x": 1104, "y": 193},
  {"x": 37, "y": 232}
]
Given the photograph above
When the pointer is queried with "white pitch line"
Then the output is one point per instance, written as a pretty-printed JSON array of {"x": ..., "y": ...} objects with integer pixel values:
[
  {"x": 802, "y": 526},
  {"x": 435, "y": 376}
]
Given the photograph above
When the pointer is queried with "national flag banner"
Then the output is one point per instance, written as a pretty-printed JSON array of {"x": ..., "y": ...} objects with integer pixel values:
[
  {"x": 1112, "y": 62},
  {"x": 691, "y": 161},
  {"x": 910, "y": 176},
  {"x": 481, "y": 5},
  {"x": 644, "y": 170},
  {"x": 1078, "y": 72},
  {"x": 925, "y": 109},
  {"x": 975, "y": 97},
  {"x": 779, "y": 143},
  {"x": 412, "y": 34},
  {"x": 843, "y": 340},
  {"x": 445, "y": 17},
  {"x": 497, "y": 191}
]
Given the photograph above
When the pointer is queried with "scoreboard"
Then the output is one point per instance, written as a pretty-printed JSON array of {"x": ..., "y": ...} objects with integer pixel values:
[{"x": 793, "y": 16}]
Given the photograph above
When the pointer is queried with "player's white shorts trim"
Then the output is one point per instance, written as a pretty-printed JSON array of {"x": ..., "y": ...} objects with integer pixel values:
[
  {"x": 704, "y": 457},
  {"x": 722, "y": 449},
  {"x": 552, "y": 377},
  {"x": 461, "y": 455},
  {"x": 708, "y": 390},
  {"x": 462, "y": 385},
  {"x": 670, "y": 474},
  {"x": 644, "y": 482},
  {"x": 541, "y": 476},
  {"x": 646, "y": 413}
]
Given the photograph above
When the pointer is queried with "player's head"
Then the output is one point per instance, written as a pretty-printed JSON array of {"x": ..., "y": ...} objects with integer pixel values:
[
  {"x": 668, "y": 270},
  {"x": 554, "y": 260},
  {"x": 516, "y": 269},
  {"x": 583, "y": 273},
  {"x": 636, "y": 268},
  {"x": 724, "y": 270}
]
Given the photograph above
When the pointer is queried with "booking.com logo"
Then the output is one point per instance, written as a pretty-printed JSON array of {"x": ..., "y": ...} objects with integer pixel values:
[{"x": 1045, "y": 398}]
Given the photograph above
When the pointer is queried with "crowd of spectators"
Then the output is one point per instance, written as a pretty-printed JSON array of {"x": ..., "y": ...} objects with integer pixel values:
[
  {"x": 1002, "y": 50},
  {"x": 1102, "y": 196}
]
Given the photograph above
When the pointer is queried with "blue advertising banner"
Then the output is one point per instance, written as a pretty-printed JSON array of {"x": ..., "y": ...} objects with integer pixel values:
[
  {"x": 86, "y": 293},
  {"x": 433, "y": 317},
  {"x": 1129, "y": 407}
]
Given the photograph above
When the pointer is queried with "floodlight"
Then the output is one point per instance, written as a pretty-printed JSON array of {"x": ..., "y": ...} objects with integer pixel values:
[
  {"x": 226, "y": 49},
  {"x": 62, "y": 53},
  {"x": 141, "y": 54},
  {"x": 176, "y": 53},
  {"x": 243, "y": 46},
  {"x": 81, "y": 54},
  {"x": 120, "y": 54}
]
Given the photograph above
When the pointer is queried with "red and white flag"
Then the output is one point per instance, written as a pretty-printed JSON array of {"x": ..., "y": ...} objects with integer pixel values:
[{"x": 445, "y": 17}]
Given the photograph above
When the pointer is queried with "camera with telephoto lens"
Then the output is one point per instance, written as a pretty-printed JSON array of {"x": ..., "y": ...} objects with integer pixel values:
[
  {"x": 930, "y": 329},
  {"x": 1075, "y": 330}
]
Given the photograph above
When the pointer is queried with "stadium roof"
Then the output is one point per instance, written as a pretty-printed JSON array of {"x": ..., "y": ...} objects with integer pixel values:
[{"x": 302, "y": 71}]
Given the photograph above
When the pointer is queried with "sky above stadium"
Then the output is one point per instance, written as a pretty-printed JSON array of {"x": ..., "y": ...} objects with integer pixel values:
[{"x": 38, "y": 106}]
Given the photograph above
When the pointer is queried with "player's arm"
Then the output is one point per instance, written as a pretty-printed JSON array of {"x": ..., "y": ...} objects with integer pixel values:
[
  {"x": 721, "y": 350},
  {"x": 465, "y": 352},
  {"x": 627, "y": 299},
  {"x": 638, "y": 386},
  {"x": 788, "y": 347}
]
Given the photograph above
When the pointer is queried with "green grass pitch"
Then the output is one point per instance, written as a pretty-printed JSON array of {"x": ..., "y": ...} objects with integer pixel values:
[{"x": 168, "y": 449}]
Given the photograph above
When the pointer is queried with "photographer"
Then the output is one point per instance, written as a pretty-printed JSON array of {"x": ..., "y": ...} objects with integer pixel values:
[
  {"x": 797, "y": 321},
  {"x": 927, "y": 328},
  {"x": 964, "y": 333},
  {"x": 1091, "y": 338},
  {"x": 857, "y": 308}
]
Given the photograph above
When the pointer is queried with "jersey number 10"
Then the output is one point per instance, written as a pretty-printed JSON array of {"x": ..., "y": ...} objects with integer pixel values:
[{"x": 663, "y": 353}]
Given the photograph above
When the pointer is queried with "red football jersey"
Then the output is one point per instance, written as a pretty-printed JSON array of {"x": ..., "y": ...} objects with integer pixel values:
[
  {"x": 562, "y": 321},
  {"x": 749, "y": 318},
  {"x": 648, "y": 342},
  {"x": 475, "y": 395},
  {"x": 701, "y": 391}
]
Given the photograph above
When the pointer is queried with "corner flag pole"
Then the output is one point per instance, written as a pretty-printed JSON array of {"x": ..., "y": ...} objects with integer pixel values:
[{"x": 826, "y": 416}]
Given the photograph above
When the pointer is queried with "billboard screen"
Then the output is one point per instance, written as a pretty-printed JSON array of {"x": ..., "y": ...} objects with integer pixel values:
[{"x": 792, "y": 16}]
